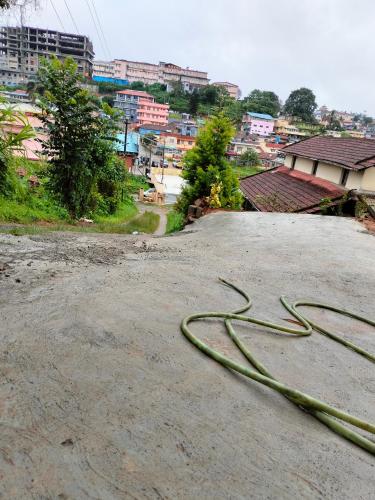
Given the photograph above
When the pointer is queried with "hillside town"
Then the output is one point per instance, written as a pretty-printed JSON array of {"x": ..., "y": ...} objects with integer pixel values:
[
  {"x": 129, "y": 186},
  {"x": 158, "y": 135}
]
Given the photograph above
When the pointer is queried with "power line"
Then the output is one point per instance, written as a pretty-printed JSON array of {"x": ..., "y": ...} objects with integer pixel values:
[
  {"x": 71, "y": 16},
  {"x": 96, "y": 27},
  {"x": 57, "y": 15},
  {"x": 101, "y": 29}
]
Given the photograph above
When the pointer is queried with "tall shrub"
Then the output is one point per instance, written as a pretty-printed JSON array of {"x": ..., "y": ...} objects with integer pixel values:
[
  {"x": 80, "y": 142},
  {"x": 207, "y": 171}
]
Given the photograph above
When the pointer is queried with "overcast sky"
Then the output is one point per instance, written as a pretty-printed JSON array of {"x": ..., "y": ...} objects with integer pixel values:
[{"x": 326, "y": 45}]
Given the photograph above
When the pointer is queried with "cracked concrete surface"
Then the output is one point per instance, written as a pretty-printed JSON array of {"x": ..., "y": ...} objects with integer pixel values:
[{"x": 101, "y": 397}]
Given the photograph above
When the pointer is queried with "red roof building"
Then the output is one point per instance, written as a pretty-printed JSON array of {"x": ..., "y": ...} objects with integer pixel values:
[{"x": 284, "y": 190}]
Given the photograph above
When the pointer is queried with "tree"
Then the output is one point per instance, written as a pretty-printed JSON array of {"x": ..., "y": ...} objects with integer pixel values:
[
  {"x": 233, "y": 109},
  {"x": 367, "y": 120},
  {"x": 194, "y": 103},
  {"x": 333, "y": 122},
  {"x": 80, "y": 144},
  {"x": 262, "y": 101},
  {"x": 249, "y": 158},
  {"x": 9, "y": 141},
  {"x": 6, "y": 4},
  {"x": 206, "y": 169},
  {"x": 301, "y": 104}
]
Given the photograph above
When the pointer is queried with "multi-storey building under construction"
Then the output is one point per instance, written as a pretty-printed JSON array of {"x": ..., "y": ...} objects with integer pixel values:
[{"x": 21, "y": 49}]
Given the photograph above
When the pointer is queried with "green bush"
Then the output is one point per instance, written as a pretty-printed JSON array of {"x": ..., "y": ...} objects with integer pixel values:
[{"x": 175, "y": 221}]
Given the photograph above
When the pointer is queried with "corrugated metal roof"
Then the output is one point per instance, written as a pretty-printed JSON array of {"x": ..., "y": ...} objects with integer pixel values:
[
  {"x": 131, "y": 142},
  {"x": 261, "y": 116}
]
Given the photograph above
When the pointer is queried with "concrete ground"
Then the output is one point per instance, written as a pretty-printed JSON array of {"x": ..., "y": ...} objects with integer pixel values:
[{"x": 101, "y": 397}]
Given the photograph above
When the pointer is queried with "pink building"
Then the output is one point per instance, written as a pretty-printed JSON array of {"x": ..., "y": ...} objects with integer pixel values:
[
  {"x": 140, "y": 107},
  {"x": 258, "y": 124},
  {"x": 152, "y": 112}
]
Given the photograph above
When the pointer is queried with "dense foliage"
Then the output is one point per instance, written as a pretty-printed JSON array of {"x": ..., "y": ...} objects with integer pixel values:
[
  {"x": 301, "y": 104},
  {"x": 262, "y": 101},
  {"x": 249, "y": 158},
  {"x": 85, "y": 173},
  {"x": 208, "y": 173}
]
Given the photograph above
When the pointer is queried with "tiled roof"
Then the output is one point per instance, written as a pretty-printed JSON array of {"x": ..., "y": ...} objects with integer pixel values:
[
  {"x": 139, "y": 93},
  {"x": 348, "y": 152},
  {"x": 285, "y": 190}
]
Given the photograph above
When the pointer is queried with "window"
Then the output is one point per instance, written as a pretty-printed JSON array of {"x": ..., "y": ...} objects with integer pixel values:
[
  {"x": 344, "y": 176},
  {"x": 315, "y": 167}
]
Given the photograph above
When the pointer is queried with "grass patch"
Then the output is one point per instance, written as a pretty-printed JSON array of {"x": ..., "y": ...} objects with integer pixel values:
[
  {"x": 245, "y": 171},
  {"x": 32, "y": 210},
  {"x": 134, "y": 183},
  {"x": 175, "y": 221},
  {"x": 125, "y": 211},
  {"x": 148, "y": 222}
]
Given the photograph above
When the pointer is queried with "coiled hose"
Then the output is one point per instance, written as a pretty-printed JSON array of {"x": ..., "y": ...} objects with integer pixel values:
[{"x": 330, "y": 416}]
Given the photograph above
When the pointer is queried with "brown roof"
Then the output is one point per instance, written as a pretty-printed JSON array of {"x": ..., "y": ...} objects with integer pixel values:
[
  {"x": 348, "y": 152},
  {"x": 139, "y": 93},
  {"x": 284, "y": 190}
]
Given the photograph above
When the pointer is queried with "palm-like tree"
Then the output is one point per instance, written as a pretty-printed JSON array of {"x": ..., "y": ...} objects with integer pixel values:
[{"x": 11, "y": 140}]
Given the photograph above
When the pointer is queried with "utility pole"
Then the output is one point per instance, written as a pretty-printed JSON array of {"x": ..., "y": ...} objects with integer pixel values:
[
  {"x": 162, "y": 168},
  {"x": 126, "y": 138}
]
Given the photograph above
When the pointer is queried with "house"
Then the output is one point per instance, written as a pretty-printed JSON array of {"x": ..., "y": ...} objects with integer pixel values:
[
  {"x": 344, "y": 161},
  {"x": 140, "y": 107},
  {"x": 148, "y": 128},
  {"x": 177, "y": 142},
  {"x": 283, "y": 127},
  {"x": 257, "y": 123},
  {"x": 237, "y": 148},
  {"x": 186, "y": 127},
  {"x": 232, "y": 89},
  {"x": 132, "y": 147},
  {"x": 31, "y": 148},
  {"x": 319, "y": 173}
]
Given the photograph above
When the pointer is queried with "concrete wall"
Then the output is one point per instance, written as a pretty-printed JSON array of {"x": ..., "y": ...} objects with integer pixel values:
[
  {"x": 304, "y": 165},
  {"x": 288, "y": 161},
  {"x": 329, "y": 172},
  {"x": 368, "y": 181},
  {"x": 354, "y": 180}
]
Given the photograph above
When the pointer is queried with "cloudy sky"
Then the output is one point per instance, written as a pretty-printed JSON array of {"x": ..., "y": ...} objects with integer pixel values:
[{"x": 326, "y": 45}]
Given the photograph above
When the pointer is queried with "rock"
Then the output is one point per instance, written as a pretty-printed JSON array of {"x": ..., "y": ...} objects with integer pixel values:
[
  {"x": 3, "y": 266},
  {"x": 198, "y": 212}
]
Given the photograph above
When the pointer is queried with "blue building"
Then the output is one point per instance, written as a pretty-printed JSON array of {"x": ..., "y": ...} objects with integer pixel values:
[
  {"x": 115, "y": 81},
  {"x": 132, "y": 143}
]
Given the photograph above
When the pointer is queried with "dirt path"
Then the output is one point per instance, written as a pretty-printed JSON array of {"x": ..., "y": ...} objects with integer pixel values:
[{"x": 161, "y": 211}]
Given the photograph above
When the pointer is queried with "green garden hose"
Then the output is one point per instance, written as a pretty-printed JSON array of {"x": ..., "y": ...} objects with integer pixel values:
[{"x": 327, "y": 414}]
